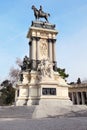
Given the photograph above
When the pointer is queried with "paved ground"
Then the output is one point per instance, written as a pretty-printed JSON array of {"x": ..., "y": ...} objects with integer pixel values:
[
  {"x": 75, "y": 123},
  {"x": 42, "y": 111},
  {"x": 16, "y": 112},
  {"x": 60, "y": 118}
]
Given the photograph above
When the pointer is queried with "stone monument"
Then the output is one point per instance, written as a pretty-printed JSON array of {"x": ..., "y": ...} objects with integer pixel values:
[{"x": 39, "y": 81}]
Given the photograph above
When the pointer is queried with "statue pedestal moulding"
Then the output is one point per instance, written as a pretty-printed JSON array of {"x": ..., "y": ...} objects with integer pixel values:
[{"x": 39, "y": 81}]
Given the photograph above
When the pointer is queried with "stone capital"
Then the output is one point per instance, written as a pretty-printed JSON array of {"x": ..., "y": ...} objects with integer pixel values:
[
  {"x": 29, "y": 43},
  {"x": 53, "y": 40},
  {"x": 38, "y": 38},
  {"x": 35, "y": 38},
  {"x": 49, "y": 40}
]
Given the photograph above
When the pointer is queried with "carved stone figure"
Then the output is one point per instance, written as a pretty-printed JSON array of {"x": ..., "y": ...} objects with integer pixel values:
[
  {"x": 40, "y": 10},
  {"x": 45, "y": 69},
  {"x": 49, "y": 68},
  {"x": 21, "y": 77},
  {"x": 41, "y": 68},
  {"x": 39, "y": 13},
  {"x": 26, "y": 63},
  {"x": 78, "y": 81},
  {"x": 43, "y": 49}
]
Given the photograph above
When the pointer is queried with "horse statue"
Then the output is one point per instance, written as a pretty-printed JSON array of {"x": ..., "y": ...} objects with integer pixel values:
[{"x": 40, "y": 14}]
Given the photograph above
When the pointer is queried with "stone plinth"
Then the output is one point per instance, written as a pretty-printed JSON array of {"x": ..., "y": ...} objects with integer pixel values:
[{"x": 43, "y": 90}]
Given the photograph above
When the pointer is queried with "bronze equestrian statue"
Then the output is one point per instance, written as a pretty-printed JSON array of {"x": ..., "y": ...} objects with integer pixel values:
[{"x": 40, "y": 14}]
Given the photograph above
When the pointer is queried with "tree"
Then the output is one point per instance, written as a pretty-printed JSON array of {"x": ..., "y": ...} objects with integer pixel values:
[
  {"x": 7, "y": 91},
  {"x": 7, "y": 96},
  {"x": 19, "y": 62},
  {"x": 62, "y": 73},
  {"x": 14, "y": 74}
]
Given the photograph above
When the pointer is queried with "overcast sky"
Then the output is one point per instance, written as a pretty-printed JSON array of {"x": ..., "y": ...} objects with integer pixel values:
[{"x": 70, "y": 18}]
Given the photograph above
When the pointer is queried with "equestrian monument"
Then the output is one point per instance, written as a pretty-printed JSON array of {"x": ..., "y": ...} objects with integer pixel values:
[{"x": 39, "y": 82}]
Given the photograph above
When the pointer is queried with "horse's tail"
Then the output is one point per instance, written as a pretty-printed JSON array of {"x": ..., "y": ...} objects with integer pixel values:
[{"x": 48, "y": 14}]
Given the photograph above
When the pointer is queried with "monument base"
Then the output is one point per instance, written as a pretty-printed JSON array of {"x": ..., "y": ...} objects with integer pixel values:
[
  {"x": 40, "y": 81},
  {"x": 21, "y": 102},
  {"x": 55, "y": 102},
  {"x": 52, "y": 108},
  {"x": 47, "y": 90},
  {"x": 33, "y": 102}
]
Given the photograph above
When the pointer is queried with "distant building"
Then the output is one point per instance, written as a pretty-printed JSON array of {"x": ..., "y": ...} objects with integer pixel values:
[{"x": 78, "y": 93}]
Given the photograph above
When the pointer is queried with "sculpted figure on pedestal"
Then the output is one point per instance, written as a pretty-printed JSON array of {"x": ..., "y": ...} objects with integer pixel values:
[
  {"x": 39, "y": 13},
  {"x": 45, "y": 69},
  {"x": 26, "y": 63}
]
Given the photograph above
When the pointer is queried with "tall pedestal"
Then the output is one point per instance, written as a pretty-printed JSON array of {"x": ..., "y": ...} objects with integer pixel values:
[{"x": 41, "y": 83}]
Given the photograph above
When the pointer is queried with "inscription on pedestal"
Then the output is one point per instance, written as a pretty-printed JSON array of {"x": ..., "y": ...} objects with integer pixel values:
[{"x": 49, "y": 91}]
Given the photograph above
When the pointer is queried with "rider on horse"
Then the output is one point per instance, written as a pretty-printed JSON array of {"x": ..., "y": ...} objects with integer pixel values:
[
  {"x": 40, "y": 13},
  {"x": 40, "y": 10}
]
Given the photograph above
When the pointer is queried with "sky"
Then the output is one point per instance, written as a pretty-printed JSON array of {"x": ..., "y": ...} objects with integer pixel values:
[{"x": 70, "y": 18}]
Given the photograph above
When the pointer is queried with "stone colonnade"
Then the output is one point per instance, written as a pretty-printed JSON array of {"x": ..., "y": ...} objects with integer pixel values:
[
  {"x": 51, "y": 49},
  {"x": 78, "y": 97},
  {"x": 35, "y": 50},
  {"x": 33, "y": 45}
]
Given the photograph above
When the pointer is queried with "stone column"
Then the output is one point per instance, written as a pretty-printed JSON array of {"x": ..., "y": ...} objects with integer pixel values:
[
  {"x": 30, "y": 49},
  {"x": 33, "y": 53},
  {"x": 82, "y": 96},
  {"x": 73, "y": 98},
  {"x": 37, "y": 49},
  {"x": 16, "y": 95},
  {"x": 50, "y": 49},
  {"x": 86, "y": 98},
  {"x": 53, "y": 46},
  {"x": 86, "y": 94},
  {"x": 77, "y": 97},
  {"x": 54, "y": 55}
]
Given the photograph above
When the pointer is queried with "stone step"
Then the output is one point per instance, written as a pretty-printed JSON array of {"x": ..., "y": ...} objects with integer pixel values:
[
  {"x": 42, "y": 111},
  {"x": 16, "y": 111}
]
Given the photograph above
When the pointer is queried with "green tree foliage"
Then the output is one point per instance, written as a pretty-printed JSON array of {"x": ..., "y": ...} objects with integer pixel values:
[
  {"x": 62, "y": 73},
  {"x": 7, "y": 93}
]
